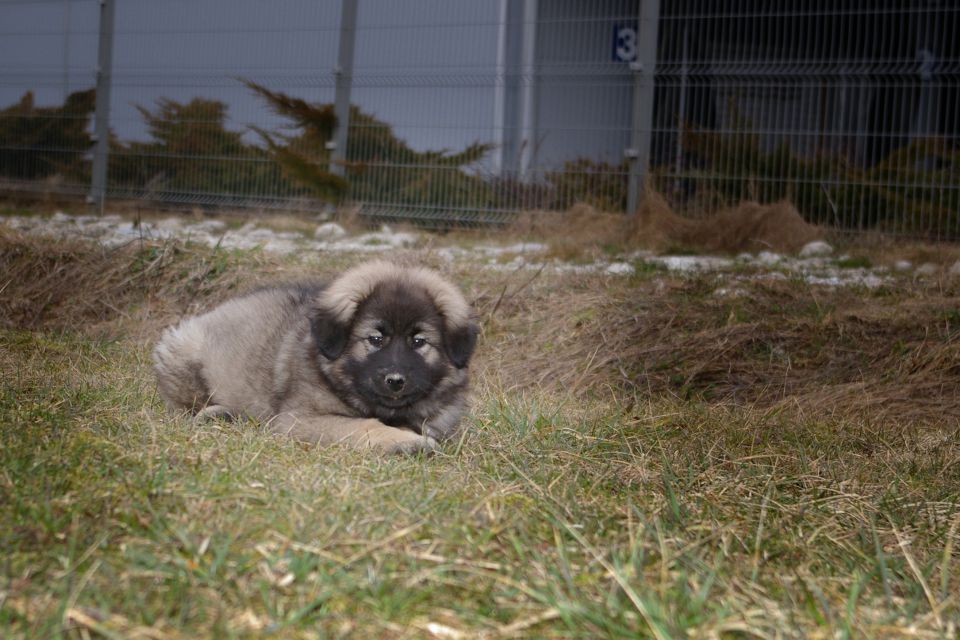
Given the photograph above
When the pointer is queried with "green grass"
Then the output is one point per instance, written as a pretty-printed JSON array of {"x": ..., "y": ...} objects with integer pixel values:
[
  {"x": 855, "y": 262},
  {"x": 617, "y": 505},
  {"x": 548, "y": 518}
]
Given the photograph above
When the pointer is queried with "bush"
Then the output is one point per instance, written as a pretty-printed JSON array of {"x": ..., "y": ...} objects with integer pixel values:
[
  {"x": 906, "y": 191},
  {"x": 599, "y": 184},
  {"x": 379, "y": 165},
  {"x": 193, "y": 152},
  {"x": 40, "y": 142}
]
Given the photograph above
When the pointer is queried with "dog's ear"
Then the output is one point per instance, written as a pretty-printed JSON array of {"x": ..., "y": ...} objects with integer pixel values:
[
  {"x": 330, "y": 334},
  {"x": 460, "y": 341}
]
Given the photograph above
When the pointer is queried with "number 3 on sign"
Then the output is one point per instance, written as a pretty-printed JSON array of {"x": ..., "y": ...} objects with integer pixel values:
[{"x": 624, "y": 43}]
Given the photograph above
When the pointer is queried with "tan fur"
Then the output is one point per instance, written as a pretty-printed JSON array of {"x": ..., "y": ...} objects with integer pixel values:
[
  {"x": 257, "y": 356},
  {"x": 355, "y": 285}
]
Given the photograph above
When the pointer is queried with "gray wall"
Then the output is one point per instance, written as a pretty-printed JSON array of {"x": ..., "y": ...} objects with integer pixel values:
[{"x": 584, "y": 96}]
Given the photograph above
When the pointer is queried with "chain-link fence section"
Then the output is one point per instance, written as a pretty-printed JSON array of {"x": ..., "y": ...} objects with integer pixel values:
[{"x": 460, "y": 112}]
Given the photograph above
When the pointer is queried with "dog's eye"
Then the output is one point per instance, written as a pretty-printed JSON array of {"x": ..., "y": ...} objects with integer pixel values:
[
  {"x": 375, "y": 340},
  {"x": 417, "y": 341}
]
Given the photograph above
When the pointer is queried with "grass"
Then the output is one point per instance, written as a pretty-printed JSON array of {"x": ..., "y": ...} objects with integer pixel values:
[{"x": 606, "y": 510}]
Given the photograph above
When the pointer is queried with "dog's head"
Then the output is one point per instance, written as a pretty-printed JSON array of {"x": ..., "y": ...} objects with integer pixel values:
[{"x": 396, "y": 340}]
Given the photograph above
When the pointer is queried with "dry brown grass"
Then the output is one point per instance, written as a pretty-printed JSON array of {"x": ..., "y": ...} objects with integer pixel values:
[
  {"x": 890, "y": 355},
  {"x": 571, "y": 234},
  {"x": 645, "y": 457},
  {"x": 129, "y": 290},
  {"x": 754, "y": 227},
  {"x": 749, "y": 226}
]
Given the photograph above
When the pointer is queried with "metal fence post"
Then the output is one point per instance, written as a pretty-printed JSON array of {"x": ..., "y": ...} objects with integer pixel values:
[
  {"x": 101, "y": 136},
  {"x": 344, "y": 81},
  {"x": 643, "y": 84},
  {"x": 530, "y": 90}
]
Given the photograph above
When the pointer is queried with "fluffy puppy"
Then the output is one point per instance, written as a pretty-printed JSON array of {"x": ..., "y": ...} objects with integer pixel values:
[{"x": 376, "y": 358}]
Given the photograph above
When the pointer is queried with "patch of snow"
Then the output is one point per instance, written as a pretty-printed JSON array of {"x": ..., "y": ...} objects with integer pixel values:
[
  {"x": 902, "y": 265},
  {"x": 816, "y": 249},
  {"x": 773, "y": 275},
  {"x": 620, "y": 268},
  {"x": 210, "y": 226},
  {"x": 768, "y": 258},
  {"x": 387, "y": 237},
  {"x": 731, "y": 292},
  {"x": 250, "y": 236},
  {"x": 329, "y": 231},
  {"x": 114, "y": 231},
  {"x": 688, "y": 264},
  {"x": 868, "y": 280},
  {"x": 520, "y": 247},
  {"x": 926, "y": 269}
]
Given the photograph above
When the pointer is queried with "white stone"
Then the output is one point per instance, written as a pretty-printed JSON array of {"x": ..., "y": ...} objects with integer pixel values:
[
  {"x": 620, "y": 268},
  {"x": 210, "y": 225},
  {"x": 902, "y": 265},
  {"x": 816, "y": 249},
  {"x": 520, "y": 247},
  {"x": 955, "y": 269},
  {"x": 731, "y": 292},
  {"x": 692, "y": 263},
  {"x": 329, "y": 231},
  {"x": 398, "y": 239},
  {"x": 768, "y": 258},
  {"x": 926, "y": 269}
]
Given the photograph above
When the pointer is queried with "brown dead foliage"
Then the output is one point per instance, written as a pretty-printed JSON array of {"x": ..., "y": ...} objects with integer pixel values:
[
  {"x": 572, "y": 232},
  {"x": 750, "y": 226},
  {"x": 778, "y": 345},
  {"x": 80, "y": 285},
  {"x": 755, "y": 227},
  {"x": 886, "y": 356}
]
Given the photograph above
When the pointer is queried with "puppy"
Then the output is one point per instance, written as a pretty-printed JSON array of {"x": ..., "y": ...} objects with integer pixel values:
[{"x": 376, "y": 358}]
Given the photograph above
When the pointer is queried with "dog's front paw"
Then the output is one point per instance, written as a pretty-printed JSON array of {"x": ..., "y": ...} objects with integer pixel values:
[
  {"x": 213, "y": 412},
  {"x": 407, "y": 443}
]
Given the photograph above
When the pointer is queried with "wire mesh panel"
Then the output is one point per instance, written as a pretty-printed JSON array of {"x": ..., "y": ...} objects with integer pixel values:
[
  {"x": 464, "y": 112},
  {"x": 187, "y": 126},
  {"x": 584, "y": 89},
  {"x": 847, "y": 108},
  {"x": 502, "y": 106},
  {"x": 422, "y": 133},
  {"x": 47, "y": 54}
]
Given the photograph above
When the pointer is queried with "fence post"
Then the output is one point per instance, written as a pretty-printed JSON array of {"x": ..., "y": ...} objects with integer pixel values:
[
  {"x": 643, "y": 69},
  {"x": 101, "y": 133},
  {"x": 344, "y": 80},
  {"x": 530, "y": 95}
]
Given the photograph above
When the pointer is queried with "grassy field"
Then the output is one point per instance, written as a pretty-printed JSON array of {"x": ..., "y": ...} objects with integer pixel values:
[{"x": 645, "y": 457}]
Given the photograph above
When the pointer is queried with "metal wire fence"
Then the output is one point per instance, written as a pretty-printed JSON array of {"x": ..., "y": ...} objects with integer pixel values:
[
  {"x": 464, "y": 112},
  {"x": 849, "y": 109}
]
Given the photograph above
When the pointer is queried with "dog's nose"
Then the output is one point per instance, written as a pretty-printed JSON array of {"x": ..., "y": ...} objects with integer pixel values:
[{"x": 395, "y": 382}]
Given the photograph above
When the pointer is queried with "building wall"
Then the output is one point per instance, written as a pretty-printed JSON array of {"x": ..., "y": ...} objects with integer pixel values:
[{"x": 584, "y": 91}]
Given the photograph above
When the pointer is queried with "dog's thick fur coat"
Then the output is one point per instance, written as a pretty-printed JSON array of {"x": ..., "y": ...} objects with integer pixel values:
[{"x": 376, "y": 358}]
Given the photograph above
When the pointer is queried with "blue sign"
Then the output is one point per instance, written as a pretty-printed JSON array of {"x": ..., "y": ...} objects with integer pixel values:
[{"x": 624, "y": 43}]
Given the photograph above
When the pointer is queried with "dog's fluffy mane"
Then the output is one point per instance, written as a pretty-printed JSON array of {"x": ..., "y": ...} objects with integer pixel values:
[{"x": 341, "y": 299}]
